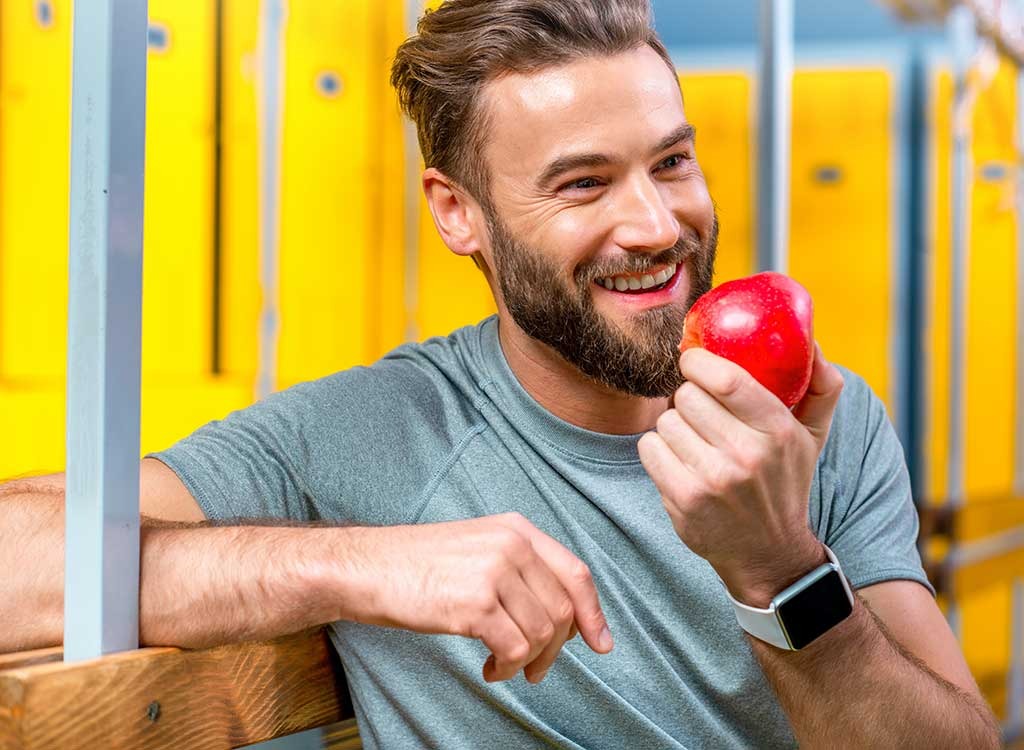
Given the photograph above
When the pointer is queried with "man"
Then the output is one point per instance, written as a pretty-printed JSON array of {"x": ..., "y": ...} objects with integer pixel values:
[{"x": 489, "y": 494}]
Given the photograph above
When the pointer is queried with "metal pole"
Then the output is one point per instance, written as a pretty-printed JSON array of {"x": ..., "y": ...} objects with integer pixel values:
[
  {"x": 963, "y": 40},
  {"x": 108, "y": 136},
  {"x": 411, "y": 218},
  {"x": 775, "y": 93},
  {"x": 272, "y": 15}
]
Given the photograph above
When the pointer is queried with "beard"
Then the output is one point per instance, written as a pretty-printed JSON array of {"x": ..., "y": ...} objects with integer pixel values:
[{"x": 642, "y": 361}]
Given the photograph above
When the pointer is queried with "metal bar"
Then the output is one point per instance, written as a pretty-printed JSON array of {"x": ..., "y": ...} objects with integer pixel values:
[
  {"x": 775, "y": 93},
  {"x": 962, "y": 40},
  {"x": 912, "y": 394},
  {"x": 108, "y": 135},
  {"x": 272, "y": 19},
  {"x": 413, "y": 191},
  {"x": 217, "y": 261}
]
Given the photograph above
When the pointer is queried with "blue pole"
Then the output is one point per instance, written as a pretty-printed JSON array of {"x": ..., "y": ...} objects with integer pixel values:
[
  {"x": 108, "y": 134},
  {"x": 775, "y": 93}
]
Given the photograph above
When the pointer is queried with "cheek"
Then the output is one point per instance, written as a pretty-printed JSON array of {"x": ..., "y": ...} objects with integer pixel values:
[{"x": 695, "y": 206}]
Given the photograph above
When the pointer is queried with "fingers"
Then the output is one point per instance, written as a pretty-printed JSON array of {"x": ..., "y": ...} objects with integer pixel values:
[
  {"x": 576, "y": 580},
  {"x": 559, "y": 610},
  {"x": 545, "y": 636},
  {"x": 816, "y": 409},
  {"x": 711, "y": 421},
  {"x": 508, "y": 645},
  {"x": 733, "y": 387}
]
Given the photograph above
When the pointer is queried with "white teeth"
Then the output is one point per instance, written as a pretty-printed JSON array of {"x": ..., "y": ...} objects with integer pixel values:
[
  {"x": 634, "y": 283},
  {"x": 647, "y": 281},
  {"x": 621, "y": 284},
  {"x": 671, "y": 271},
  {"x": 608, "y": 284},
  {"x": 661, "y": 276}
]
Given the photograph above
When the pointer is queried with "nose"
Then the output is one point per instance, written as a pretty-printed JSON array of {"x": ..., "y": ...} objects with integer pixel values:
[{"x": 645, "y": 222}]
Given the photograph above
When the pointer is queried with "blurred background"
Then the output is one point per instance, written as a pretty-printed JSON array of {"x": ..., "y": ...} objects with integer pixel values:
[{"x": 285, "y": 240}]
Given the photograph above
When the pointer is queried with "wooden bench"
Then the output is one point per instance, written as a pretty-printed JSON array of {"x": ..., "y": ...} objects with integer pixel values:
[{"x": 169, "y": 698}]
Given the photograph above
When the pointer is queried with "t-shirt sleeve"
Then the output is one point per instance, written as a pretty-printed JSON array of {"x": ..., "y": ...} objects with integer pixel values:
[
  {"x": 357, "y": 447},
  {"x": 252, "y": 464},
  {"x": 868, "y": 516}
]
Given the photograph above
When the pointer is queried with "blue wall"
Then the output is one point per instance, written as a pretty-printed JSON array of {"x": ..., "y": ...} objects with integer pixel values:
[{"x": 734, "y": 22}]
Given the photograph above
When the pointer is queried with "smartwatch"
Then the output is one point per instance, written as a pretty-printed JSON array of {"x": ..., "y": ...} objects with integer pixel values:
[{"x": 800, "y": 613}]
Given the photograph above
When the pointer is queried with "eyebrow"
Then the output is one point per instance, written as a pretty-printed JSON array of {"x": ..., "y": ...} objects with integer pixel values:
[{"x": 684, "y": 133}]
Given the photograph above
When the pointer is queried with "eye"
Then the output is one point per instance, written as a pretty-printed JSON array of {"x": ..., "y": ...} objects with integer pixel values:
[
  {"x": 675, "y": 160},
  {"x": 586, "y": 183}
]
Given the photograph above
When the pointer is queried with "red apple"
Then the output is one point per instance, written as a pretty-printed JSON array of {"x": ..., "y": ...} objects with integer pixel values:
[{"x": 764, "y": 323}]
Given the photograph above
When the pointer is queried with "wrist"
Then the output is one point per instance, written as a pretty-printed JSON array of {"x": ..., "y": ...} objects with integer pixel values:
[
  {"x": 756, "y": 584},
  {"x": 355, "y": 580}
]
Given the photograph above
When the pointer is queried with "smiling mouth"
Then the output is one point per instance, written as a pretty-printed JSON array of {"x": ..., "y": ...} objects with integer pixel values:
[{"x": 640, "y": 283}]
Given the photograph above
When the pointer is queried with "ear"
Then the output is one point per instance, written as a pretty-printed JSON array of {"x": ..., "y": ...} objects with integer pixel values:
[{"x": 455, "y": 213}]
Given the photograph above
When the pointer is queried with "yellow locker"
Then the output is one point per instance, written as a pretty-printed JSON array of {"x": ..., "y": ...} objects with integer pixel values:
[
  {"x": 842, "y": 233},
  {"x": 35, "y": 86},
  {"x": 719, "y": 105},
  {"x": 33, "y": 417},
  {"x": 387, "y": 303},
  {"x": 329, "y": 250},
  {"x": 177, "y": 324},
  {"x": 34, "y": 151},
  {"x": 991, "y": 341},
  {"x": 990, "y": 405}
]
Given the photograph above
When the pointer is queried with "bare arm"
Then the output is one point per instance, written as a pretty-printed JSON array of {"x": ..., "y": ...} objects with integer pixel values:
[
  {"x": 201, "y": 584},
  {"x": 735, "y": 468},
  {"x": 497, "y": 579},
  {"x": 857, "y": 686}
]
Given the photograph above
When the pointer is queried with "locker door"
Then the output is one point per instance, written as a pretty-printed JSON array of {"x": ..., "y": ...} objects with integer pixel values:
[
  {"x": 328, "y": 250},
  {"x": 177, "y": 323},
  {"x": 719, "y": 105},
  {"x": 991, "y": 340},
  {"x": 35, "y": 92},
  {"x": 842, "y": 234},
  {"x": 985, "y": 604}
]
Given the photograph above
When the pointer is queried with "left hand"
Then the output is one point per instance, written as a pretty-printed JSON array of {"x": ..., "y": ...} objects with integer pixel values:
[{"x": 734, "y": 467}]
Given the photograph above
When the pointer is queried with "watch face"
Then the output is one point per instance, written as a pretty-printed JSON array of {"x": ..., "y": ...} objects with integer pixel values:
[{"x": 814, "y": 610}]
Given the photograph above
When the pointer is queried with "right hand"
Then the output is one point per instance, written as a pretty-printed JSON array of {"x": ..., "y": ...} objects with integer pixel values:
[{"x": 496, "y": 578}]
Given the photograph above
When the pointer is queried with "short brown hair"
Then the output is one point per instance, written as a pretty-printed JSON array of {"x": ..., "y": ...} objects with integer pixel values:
[{"x": 460, "y": 47}]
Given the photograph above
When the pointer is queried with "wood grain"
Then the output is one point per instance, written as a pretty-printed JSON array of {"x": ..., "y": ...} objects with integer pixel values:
[{"x": 159, "y": 698}]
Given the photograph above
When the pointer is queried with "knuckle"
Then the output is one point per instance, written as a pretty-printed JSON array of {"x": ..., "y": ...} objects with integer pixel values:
[
  {"x": 544, "y": 632},
  {"x": 730, "y": 383},
  {"x": 581, "y": 574},
  {"x": 517, "y": 651},
  {"x": 685, "y": 394},
  {"x": 513, "y": 517},
  {"x": 484, "y": 601},
  {"x": 667, "y": 421},
  {"x": 564, "y": 611}
]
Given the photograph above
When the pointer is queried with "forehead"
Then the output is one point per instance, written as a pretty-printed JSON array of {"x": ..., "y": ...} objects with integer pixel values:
[{"x": 619, "y": 105}]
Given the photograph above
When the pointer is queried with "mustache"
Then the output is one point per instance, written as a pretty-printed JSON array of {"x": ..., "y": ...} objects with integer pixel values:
[{"x": 640, "y": 262}]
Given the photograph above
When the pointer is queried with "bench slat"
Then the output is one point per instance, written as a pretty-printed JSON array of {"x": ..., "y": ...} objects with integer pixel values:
[{"x": 158, "y": 698}]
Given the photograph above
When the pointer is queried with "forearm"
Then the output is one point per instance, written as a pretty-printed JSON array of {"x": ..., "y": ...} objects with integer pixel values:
[
  {"x": 856, "y": 688},
  {"x": 207, "y": 585},
  {"x": 200, "y": 584}
]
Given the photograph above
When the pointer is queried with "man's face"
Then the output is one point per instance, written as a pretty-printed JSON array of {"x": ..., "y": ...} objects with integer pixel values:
[{"x": 595, "y": 183}]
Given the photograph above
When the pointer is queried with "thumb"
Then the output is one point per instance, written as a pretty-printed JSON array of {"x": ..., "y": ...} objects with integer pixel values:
[{"x": 816, "y": 408}]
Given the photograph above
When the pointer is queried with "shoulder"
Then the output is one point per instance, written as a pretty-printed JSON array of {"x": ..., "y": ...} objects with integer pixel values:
[{"x": 859, "y": 413}]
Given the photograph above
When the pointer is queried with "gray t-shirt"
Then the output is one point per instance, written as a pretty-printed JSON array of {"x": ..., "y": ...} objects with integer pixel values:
[{"x": 442, "y": 430}]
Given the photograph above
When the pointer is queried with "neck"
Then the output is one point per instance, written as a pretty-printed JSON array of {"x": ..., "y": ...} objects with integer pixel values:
[{"x": 568, "y": 394}]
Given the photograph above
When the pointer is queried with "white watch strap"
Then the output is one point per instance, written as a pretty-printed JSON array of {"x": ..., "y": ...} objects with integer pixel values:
[{"x": 764, "y": 624}]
